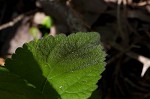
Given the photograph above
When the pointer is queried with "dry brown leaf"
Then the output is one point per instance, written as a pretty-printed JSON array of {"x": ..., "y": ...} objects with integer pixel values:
[{"x": 2, "y": 61}]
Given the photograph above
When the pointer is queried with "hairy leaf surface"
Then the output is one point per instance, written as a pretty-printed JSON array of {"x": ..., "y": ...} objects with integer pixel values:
[{"x": 71, "y": 65}]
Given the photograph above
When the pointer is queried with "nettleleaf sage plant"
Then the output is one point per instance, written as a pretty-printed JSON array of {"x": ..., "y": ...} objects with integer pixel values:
[{"x": 60, "y": 67}]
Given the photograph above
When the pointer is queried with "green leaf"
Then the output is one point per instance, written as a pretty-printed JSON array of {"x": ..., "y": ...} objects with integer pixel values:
[
  {"x": 71, "y": 65},
  {"x": 34, "y": 32},
  {"x": 23, "y": 63},
  {"x": 13, "y": 87},
  {"x": 47, "y": 22}
]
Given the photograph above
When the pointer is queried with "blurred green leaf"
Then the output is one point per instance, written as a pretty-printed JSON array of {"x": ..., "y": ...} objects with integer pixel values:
[
  {"x": 47, "y": 22},
  {"x": 34, "y": 32}
]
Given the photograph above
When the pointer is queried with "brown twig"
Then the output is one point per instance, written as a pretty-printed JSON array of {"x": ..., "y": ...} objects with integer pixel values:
[
  {"x": 11, "y": 23},
  {"x": 144, "y": 60},
  {"x": 16, "y": 20},
  {"x": 120, "y": 20}
]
